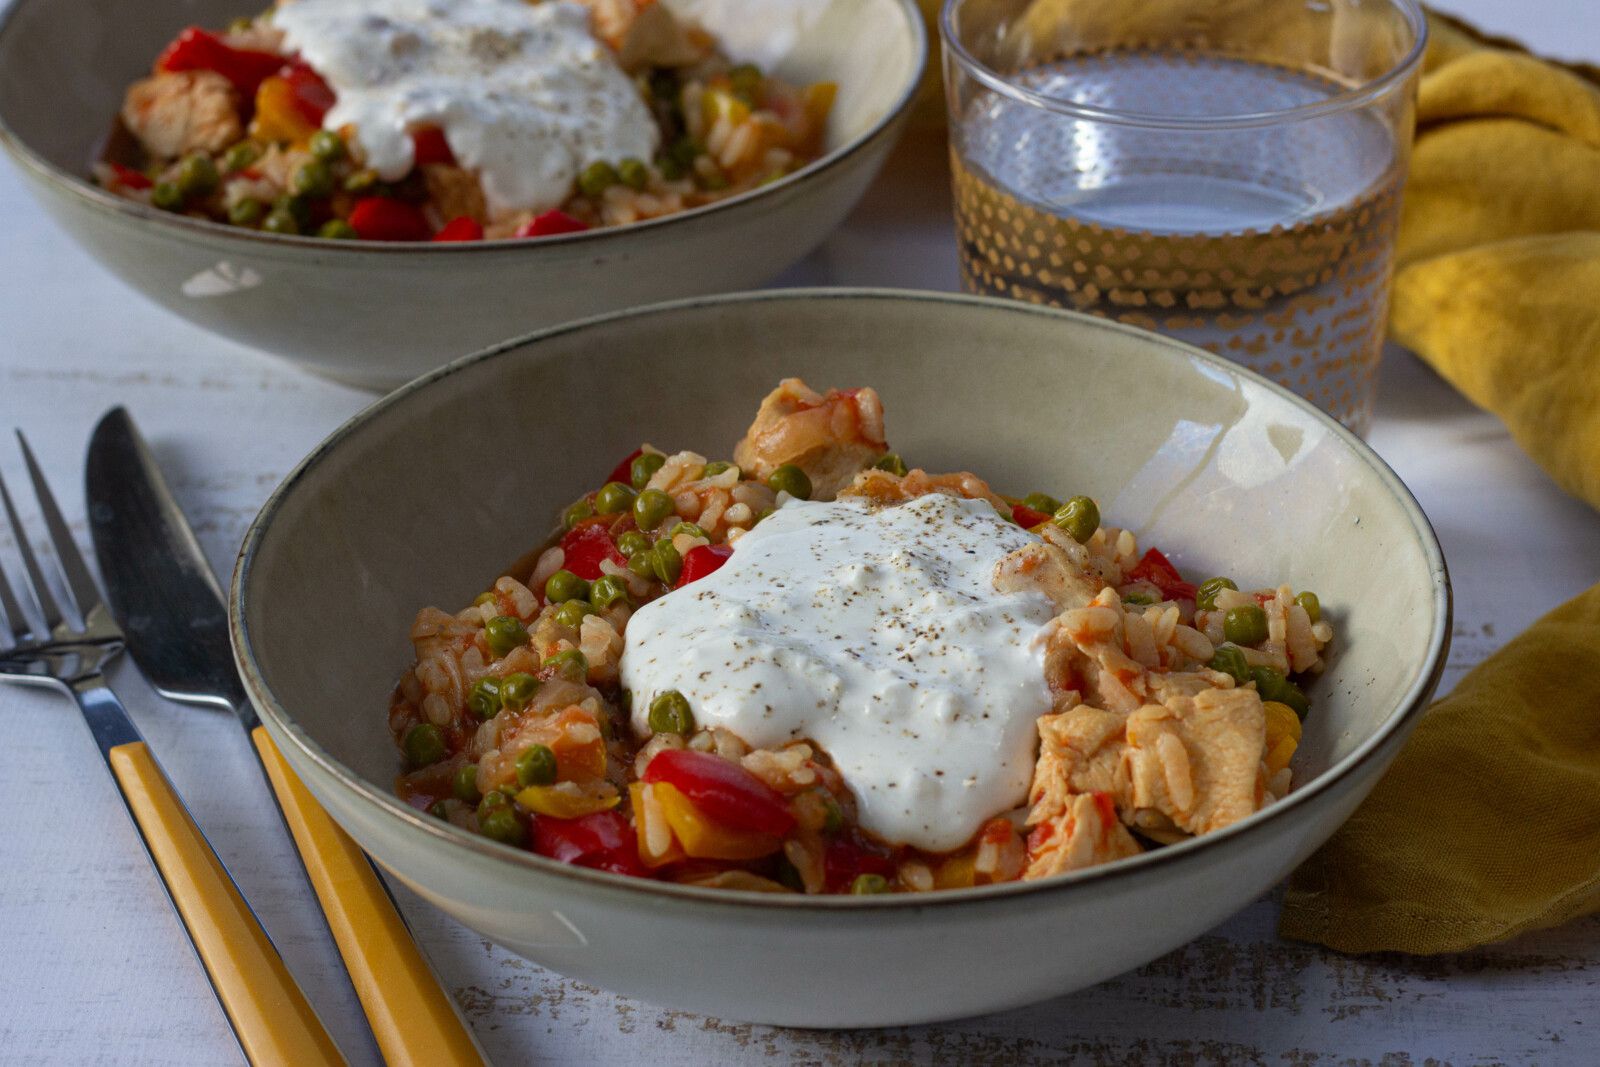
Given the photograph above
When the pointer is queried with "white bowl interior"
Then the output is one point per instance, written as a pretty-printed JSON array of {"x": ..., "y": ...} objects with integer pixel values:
[{"x": 425, "y": 499}]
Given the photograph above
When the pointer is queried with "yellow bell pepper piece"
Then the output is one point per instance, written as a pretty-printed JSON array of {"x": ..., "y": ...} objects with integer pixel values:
[
  {"x": 657, "y": 846},
  {"x": 1283, "y": 735},
  {"x": 564, "y": 800},
  {"x": 957, "y": 872},
  {"x": 818, "y": 101},
  {"x": 722, "y": 104},
  {"x": 704, "y": 839},
  {"x": 277, "y": 117}
]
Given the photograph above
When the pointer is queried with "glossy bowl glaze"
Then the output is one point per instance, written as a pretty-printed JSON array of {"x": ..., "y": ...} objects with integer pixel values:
[
  {"x": 376, "y": 315},
  {"x": 404, "y": 507}
]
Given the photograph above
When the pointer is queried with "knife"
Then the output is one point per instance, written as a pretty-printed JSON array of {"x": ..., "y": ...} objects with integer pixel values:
[{"x": 162, "y": 591}]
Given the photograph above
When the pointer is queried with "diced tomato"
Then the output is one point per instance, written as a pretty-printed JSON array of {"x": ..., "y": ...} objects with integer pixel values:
[
  {"x": 723, "y": 790},
  {"x": 585, "y": 545},
  {"x": 379, "y": 218},
  {"x": 428, "y": 145},
  {"x": 1156, "y": 568},
  {"x": 701, "y": 561},
  {"x": 551, "y": 223},
  {"x": 312, "y": 96},
  {"x": 604, "y": 841},
  {"x": 845, "y": 859},
  {"x": 127, "y": 176},
  {"x": 196, "y": 49},
  {"x": 1026, "y": 517},
  {"x": 623, "y": 472},
  {"x": 464, "y": 228}
]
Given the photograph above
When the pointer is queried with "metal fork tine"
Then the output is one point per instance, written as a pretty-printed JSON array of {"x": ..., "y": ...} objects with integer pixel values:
[
  {"x": 41, "y": 591},
  {"x": 15, "y": 619},
  {"x": 79, "y": 581}
]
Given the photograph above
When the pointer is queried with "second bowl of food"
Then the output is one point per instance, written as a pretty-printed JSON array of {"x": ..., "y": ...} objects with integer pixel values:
[
  {"x": 371, "y": 187},
  {"x": 840, "y": 658}
]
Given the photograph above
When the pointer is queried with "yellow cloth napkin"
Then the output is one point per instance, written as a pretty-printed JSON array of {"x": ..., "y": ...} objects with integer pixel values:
[
  {"x": 1488, "y": 824},
  {"x": 1498, "y": 282}
]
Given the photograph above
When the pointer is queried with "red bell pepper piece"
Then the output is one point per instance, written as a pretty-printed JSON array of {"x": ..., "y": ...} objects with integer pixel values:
[
  {"x": 585, "y": 545},
  {"x": 127, "y": 176},
  {"x": 623, "y": 472},
  {"x": 701, "y": 561},
  {"x": 428, "y": 145},
  {"x": 464, "y": 228},
  {"x": 724, "y": 791},
  {"x": 378, "y": 218},
  {"x": 1156, "y": 568},
  {"x": 312, "y": 96},
  {"x": 1026, "y": 517},
  {"x": 551, "y": 223},
  {"x": 604, "y": 841},
  {"x": 844, "y": 860},
  {"x": 196, "y": 49}
]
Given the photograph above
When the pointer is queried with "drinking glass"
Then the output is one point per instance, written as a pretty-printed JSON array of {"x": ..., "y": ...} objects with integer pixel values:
[{"x": 1224, "y": 171}]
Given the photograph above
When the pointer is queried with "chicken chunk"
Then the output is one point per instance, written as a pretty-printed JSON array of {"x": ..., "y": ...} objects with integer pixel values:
[
  {"x": 179, "y": 112},
  {"x": 883, "y": 487},
  {"x": 1048, "y": 569},
  {"x": 831, "y": 437},
  {"x": 455, "y": 192},
  {"x": 1197, "y": 759},
  {"x": 644, "y": 33},
  {"x": 1080, "y": 751},
  {"x": 1085, "y": 833}
]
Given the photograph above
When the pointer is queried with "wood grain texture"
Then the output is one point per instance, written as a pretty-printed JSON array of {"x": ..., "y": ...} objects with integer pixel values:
[{"x": 96, "y": 969}]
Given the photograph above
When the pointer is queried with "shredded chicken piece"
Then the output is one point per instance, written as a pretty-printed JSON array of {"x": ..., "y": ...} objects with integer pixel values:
[
  {"x": 455, "y": 192},
  {"x": 1085, "y": 833},
  {"x": 831, "y": 437},
  {"x": 178, "y": 112},
  {"x": 1197, "y": 759},
  {"x": 883, "y": 487}
]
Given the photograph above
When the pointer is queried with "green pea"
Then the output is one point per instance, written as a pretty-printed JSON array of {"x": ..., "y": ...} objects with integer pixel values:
[
  {"x": 634, "y": 173},
  {"x": 666, "y": 562},
  {"x": 536, "y": 766},
  {"x": 746, "y": 79},
  {"x": 632, "y": 543},
  {"x": 361, "y": 181},
  {"x": 166, "y": 196},
  {"x": 240, "y": 156},
  {"x": 764, "y": 513},
  {"x": 572, "y": 612},
  {"x": 280, "y": 220},
  {"x": 1041, "y": 502},
  {"x": 197, "y": 176},
  {"x": 569, "y": 664},
  {"x": 438, "y": 810},
  {"x": 714, "y": 181},
  {"x": 670, "y": 713},
  {"x": 684, "y": 151},
  {"x": 1079, "y": 517},
  {"x": 643, "y": 563},
  {"x": 691, "y": 528},
  {"x": 464, "y": 783},
  {"x": 715, "y": 467},
  {"x": 1139, "y": 598},
  {"x": 503, "y": 825},
  {"x": 651, "y": 508},
  {"x": 1313, "y": 607},
  {"x": 891, "y": 462},
  {"x": 1205, "y": 597},
  {"x": 832, "y": 816},
  {"x": 613, "y": 497},
  {"x": 424, "y": 745},
  {"x": 644, "y": 467},
  {"x": 337, "y": 230},
  {"x": 576, "y": 513},
  {"x": 563, "y": 586},
  {"x": 312, "y": 179},
  {"x": 596, "y": 178},
  {"x": 504, "y": 633},
  {"x": 670, "y": 169},
  {"x": 1274, "y": 686},
  {"x": 327, "y": 146},
  {"x": 517, "y": 689},
  {"x": 869, "y": 885},
  {"x": 608, "y": 590},
  {"x": 792, "y": 480},
  {"x": 246, "y": 211},
  {"x": 298, "y": 206},
  {"x": 1245, "y": 626},
  {"x": 494, "y": 798},
  {"x": 484, "y": 700},
  {"x": 1230, "y": 660}
]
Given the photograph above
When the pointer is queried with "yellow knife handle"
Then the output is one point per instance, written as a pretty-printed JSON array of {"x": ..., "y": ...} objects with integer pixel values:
[
  {"x": 271, "y": 1016},
  {"x": 414, "y": 1020}
]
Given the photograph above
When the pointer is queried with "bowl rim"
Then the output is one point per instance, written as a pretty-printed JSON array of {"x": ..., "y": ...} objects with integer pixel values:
[
  {"x": 102, "y": 200},
  {"x": 385, "y": 803}
]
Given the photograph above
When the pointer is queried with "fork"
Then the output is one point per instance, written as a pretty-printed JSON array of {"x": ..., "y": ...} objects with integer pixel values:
[{"x": 270, "y": 1016}]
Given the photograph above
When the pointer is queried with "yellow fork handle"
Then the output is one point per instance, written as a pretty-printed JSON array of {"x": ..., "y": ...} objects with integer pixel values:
[
  {"x": 414, "y": 1020},
  {"x": 274, "y": 1022}
]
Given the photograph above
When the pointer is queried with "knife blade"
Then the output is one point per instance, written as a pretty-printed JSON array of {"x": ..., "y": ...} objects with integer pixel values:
[{"x": 157, "y": 579}]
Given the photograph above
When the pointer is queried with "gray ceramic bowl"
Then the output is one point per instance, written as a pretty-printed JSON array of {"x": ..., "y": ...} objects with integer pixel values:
[
  {"x": 402, "y": 507},
  {"x": 377, "y": 315}
]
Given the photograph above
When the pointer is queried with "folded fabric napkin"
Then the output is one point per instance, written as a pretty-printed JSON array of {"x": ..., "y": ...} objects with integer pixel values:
[{"x": 1498, "y": 280}]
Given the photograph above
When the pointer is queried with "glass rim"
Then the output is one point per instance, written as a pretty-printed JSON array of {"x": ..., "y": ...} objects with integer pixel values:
[{"x": 1347, "y": 99}]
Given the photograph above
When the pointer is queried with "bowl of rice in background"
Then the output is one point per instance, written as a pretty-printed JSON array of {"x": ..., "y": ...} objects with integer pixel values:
[
  {"x": 1225, "y": 470},
  {"x": 375, "y": 315}
]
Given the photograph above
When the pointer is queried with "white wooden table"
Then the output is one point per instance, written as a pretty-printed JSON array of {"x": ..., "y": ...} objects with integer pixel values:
[{"x": 94, "y": 967}]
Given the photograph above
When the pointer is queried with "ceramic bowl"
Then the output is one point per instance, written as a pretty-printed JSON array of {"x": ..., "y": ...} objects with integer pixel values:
[
  {"x": 376, "y": 315},
  {"x": 408, "y": 505}
]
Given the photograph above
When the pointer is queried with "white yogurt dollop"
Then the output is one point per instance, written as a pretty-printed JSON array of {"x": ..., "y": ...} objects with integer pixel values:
[
  {"x": 878, "y": 634},
  {"x": 525, "y": 93}
]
